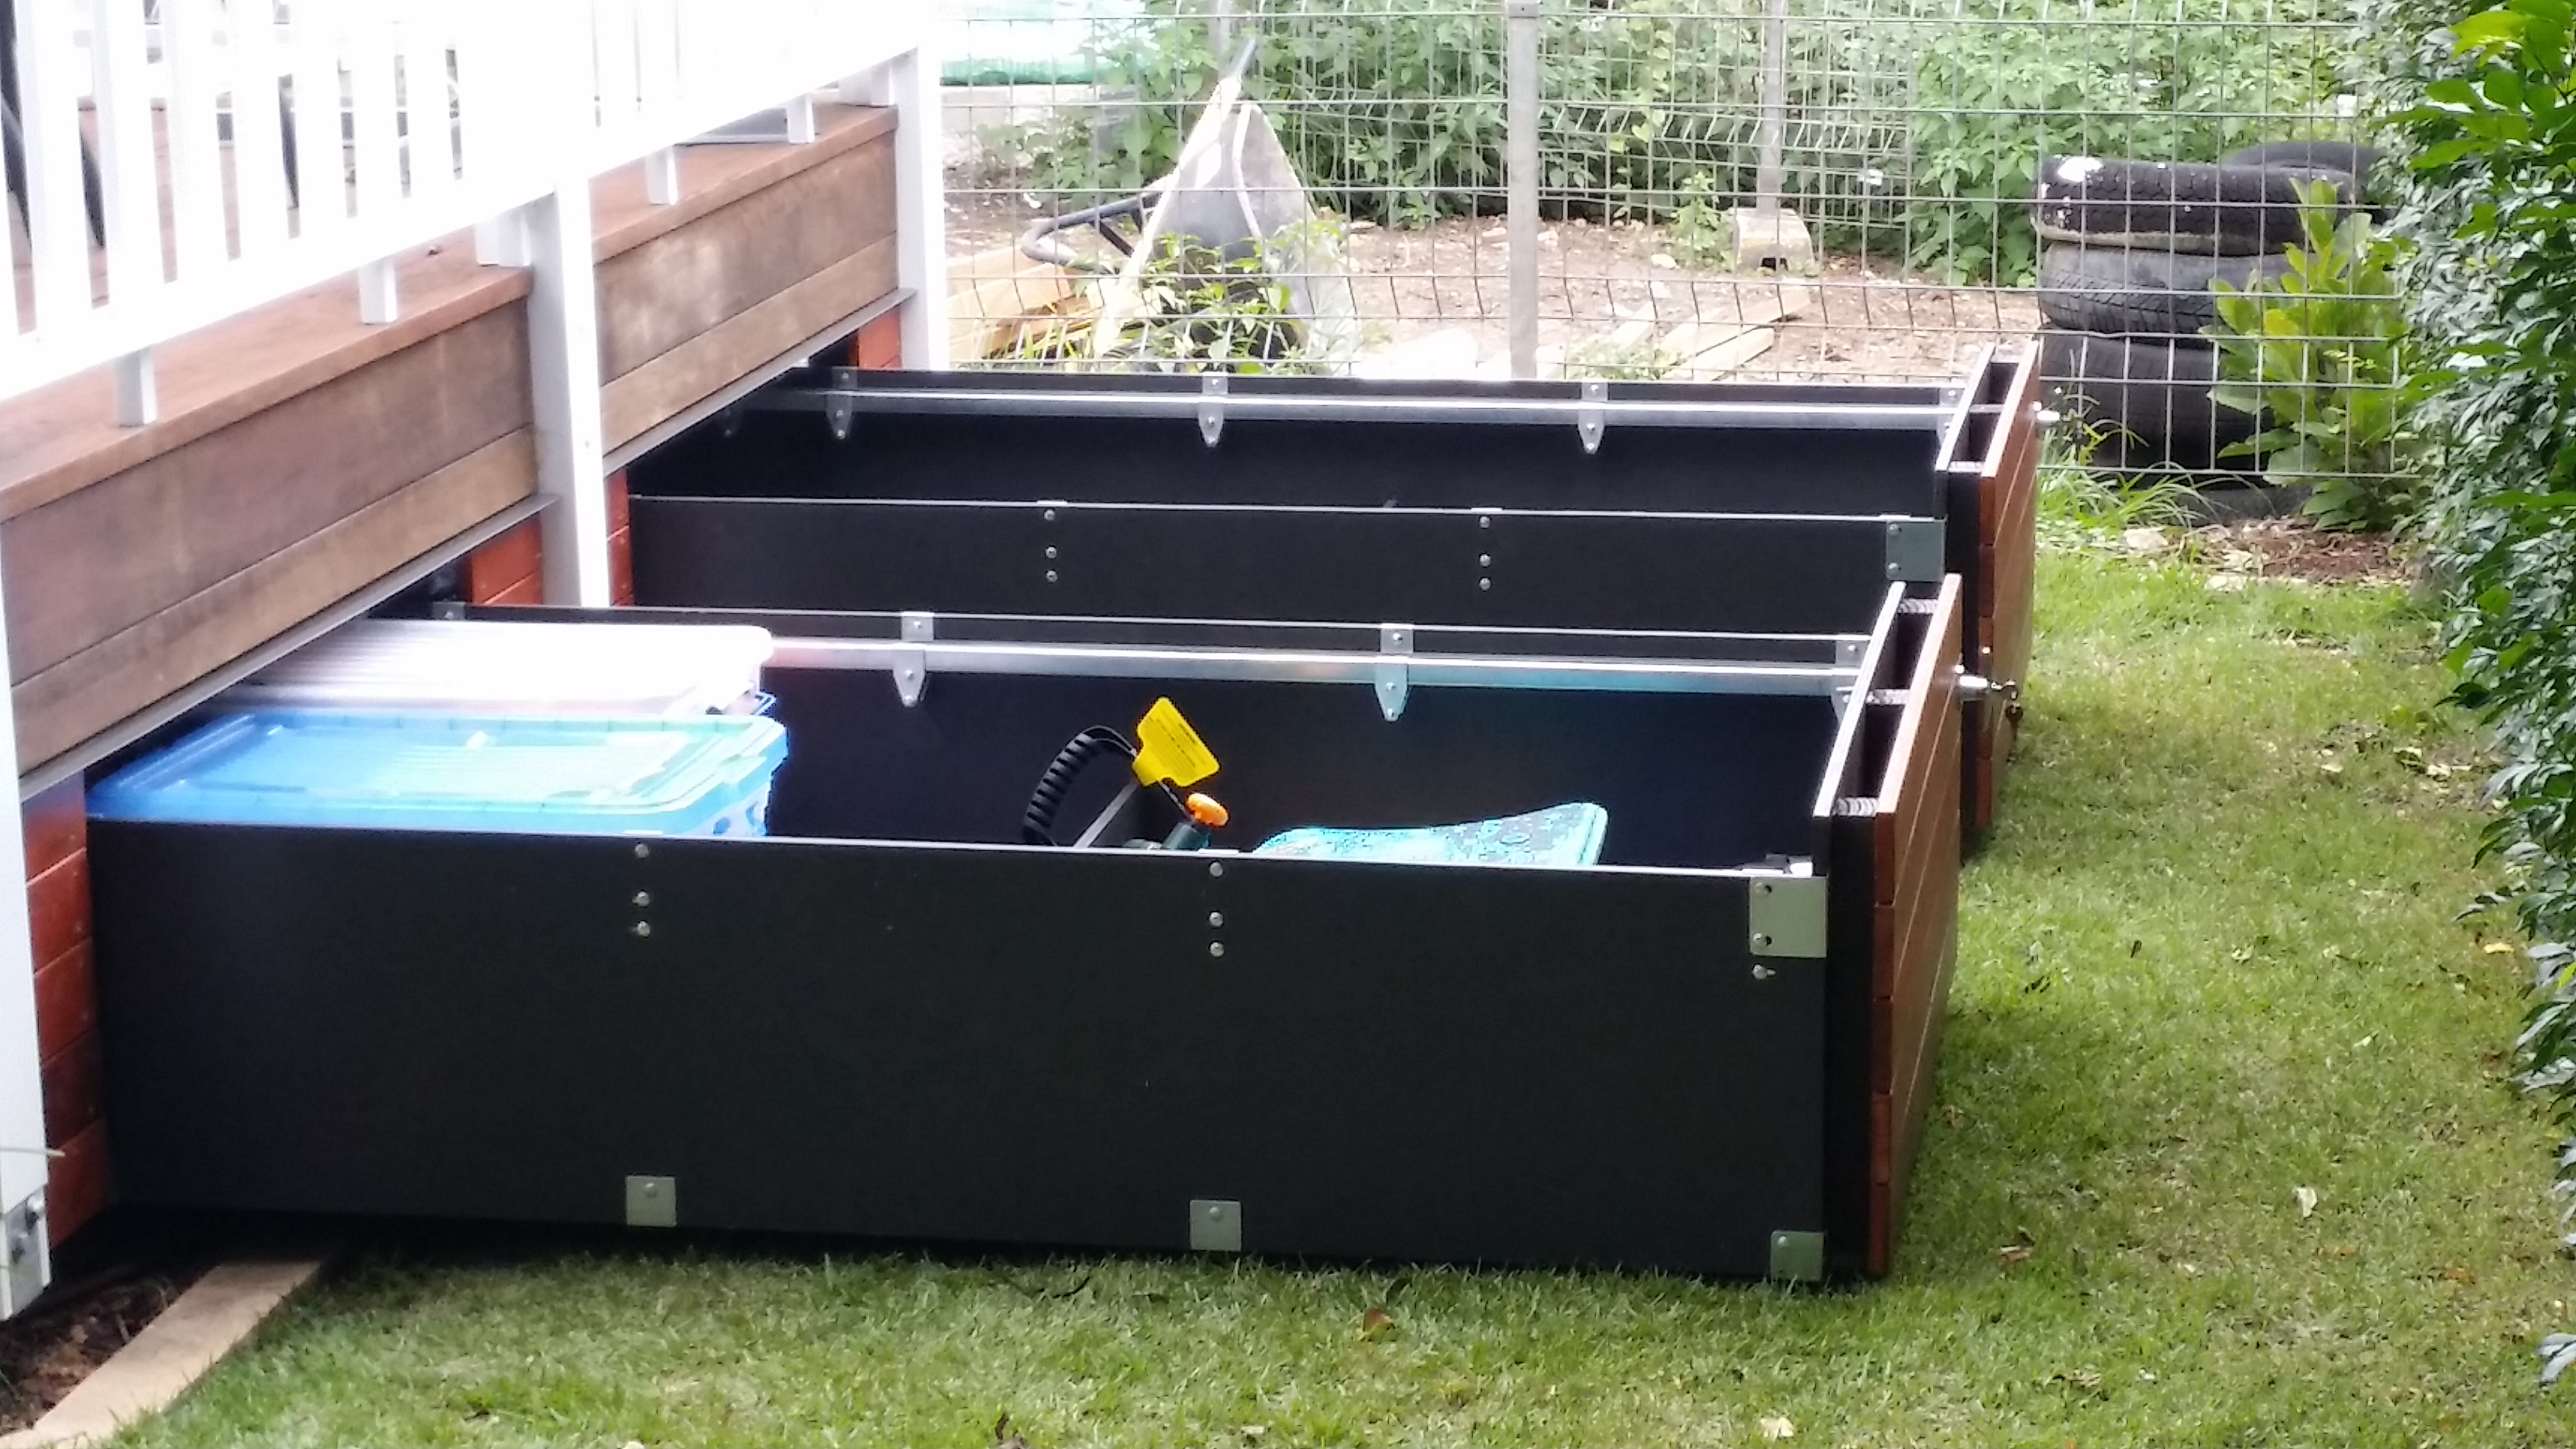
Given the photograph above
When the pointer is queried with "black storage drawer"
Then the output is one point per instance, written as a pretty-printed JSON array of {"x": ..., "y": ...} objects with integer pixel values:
[
  {"x": 1708, "y": 508},
  {"x": 1707, "y": 1053}
]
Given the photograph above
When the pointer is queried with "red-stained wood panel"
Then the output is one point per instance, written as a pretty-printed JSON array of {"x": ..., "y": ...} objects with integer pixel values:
[{"x": 1916, "y": 844}]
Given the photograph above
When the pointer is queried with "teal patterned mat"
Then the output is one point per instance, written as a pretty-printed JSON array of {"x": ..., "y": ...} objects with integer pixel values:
[{"x": 1565, "y": 835}]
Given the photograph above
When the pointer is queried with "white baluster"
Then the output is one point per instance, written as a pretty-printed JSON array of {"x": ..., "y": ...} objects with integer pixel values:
[
  {"x": 58, "y": 220},
  {"x": 196, "y": 64},
  {"x": 259, "y": 143},
  {"x": 129, "y": 168},
  {"x": 321, "y": 162},
  {"x": 426, "y": 100},
  {"x": 614, "y": 61},
  {"x": 375, "y": 128}
]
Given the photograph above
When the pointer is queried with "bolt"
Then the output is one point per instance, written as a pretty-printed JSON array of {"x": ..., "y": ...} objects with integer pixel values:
[
  {"x": 1050, "y": 515},
  {"x": 1485, "y": 521},
  {"x": 1050, "y": 550},
  {"x": 1216, "y": 948},
  {"x": 643, "y": 899},
  {"x": 1215, "y": 919},
  {"x": 1484, "y": 560},
  {"x": 1761, "y": 940},
  {"x": 1216, "y": 867},
  {"x": 1762, "y": 888},
  {"x": 643, "y": 928},
  {"x": 1215, "y": 1212},
  {"x": 1050, "y": 576},
  {"x": 1485, "y": 584},
  {"x": 642, "y": 850}
]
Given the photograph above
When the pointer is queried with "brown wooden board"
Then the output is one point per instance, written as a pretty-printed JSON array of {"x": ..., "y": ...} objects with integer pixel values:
[
  {"x": 663, "y": 387},
  {"x": 1915, "y": 868},
  {"x": 171, "y": 647},
  {"x": 100, "y": 561},
  {"x": 2008, "y": 492},
  {"x": 62, "y": 438},
  {"x": 690, "y": 280}
]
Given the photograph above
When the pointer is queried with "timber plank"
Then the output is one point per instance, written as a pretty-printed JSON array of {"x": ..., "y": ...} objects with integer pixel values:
[
  {"x": 713, "y": 177},
  {"x": 59, "y": 439},
  {"x": 1915, "y": 870},
  {"x": 665, "y": 386},
  {"x": 137, "y": 667},
  {"x": 678, "y": 286},
  {"x": 107, "y": 557}
]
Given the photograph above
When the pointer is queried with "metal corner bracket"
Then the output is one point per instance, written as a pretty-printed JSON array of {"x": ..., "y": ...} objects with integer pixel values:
[
  {"x": 1786, "y": 917},
  {"x": 1394, "y": 677},
  {"x": 912, "y": 661},
  {"x": 1915, "y": 550},
  {"x": 1797, "y": 1257},
  {"x": 652, "y": 1202},
  {"x": 1211, "y": 408},
  {"x": 1216, "y": 1225},
  {"x": 1590, "y": 420}
]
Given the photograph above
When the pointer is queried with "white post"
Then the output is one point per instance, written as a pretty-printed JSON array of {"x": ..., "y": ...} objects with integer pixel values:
[
  {"x": 58, "y": 226},
  {"x": 1520, "y": 172},
  {"x": 921, "y": 217},
  {"x": 23, "y": 1237},
  {"x": 563, "y": 356},
  {"x": 662, "y": 176}
]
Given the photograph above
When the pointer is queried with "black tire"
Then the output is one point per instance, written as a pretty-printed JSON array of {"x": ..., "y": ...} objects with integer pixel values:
[
  {"x": 2181, "y": 206},
  {"x": 2349, "y": 157},
  {"x": 2133, "y": 289},
  {"x": 2150, "y": 393}
]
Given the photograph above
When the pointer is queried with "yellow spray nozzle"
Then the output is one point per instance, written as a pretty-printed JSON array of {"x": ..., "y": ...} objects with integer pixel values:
[{"x": 1168, "y": 751}]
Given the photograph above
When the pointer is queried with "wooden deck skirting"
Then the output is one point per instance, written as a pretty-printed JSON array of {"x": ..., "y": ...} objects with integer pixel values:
[{"x": 302, "y": 456}]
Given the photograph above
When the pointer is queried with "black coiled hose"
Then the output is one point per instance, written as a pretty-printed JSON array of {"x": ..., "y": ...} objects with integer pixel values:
[{"x": 1037, "y": 827}]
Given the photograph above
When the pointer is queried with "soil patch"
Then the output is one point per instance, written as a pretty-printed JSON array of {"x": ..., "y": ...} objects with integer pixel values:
[
  {"x": 45, "y": 1353},
  {"x": 2293, "y": 548},
  {"x": 1864, "y": 322}
]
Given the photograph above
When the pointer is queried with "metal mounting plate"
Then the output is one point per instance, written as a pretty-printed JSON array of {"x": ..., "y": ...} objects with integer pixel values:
[
  {"x": 1216, "y": 1225},
  {"x": 1798, "y": 1257},
  {"x": 1787, "y": 917},
  {"x": 1916, "y": 549},
  {"x": 652, "y": 1202}
]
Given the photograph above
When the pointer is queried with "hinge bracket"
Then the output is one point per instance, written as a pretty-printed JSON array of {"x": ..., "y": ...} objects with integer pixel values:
[
  {"x": 912, "y": 660},
  {"x": 1211, "y": 408},
  {"x": 1591, "y": 418},
  {"x": 1394, "y": 675}
]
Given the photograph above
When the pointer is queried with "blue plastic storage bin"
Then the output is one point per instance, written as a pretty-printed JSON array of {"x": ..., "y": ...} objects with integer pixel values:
[{"x": 701, "y": 776}]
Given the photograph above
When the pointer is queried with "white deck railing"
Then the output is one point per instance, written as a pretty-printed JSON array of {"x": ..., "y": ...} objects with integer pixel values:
[
  {"x": 411, "y": 120},
  {"x": 445, "y": 114}
]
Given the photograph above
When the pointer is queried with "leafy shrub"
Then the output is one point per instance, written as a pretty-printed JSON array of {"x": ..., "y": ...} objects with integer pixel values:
[
  {"x": 1914, "y": 127},
  {"x": 2494, "y": 294},
  {"x": 2319, "y": 355}
]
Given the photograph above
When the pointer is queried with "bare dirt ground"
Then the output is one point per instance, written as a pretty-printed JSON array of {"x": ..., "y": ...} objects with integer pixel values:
[
  {"x": 2293, "y": 548},
  {"x": 46, "y": 1353},
  {"x": 1859, "y": 322}
]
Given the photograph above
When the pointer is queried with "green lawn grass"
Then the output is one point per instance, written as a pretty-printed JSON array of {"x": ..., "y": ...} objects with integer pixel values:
[{"x": 2211, "y": 958}]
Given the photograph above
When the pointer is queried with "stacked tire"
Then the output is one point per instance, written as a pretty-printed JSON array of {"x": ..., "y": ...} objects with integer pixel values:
[{"x": 2131, "y": 253}]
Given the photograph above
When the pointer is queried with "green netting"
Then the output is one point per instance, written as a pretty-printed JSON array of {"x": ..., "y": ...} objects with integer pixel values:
[{"x": 1026, "y": 42}]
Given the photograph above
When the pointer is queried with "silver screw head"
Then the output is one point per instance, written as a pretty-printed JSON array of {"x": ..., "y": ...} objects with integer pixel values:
[
  {"x": 642, "y": 928},
  {"x": 1216, "y": 918},
  {"x": 1216, "y": 948}
]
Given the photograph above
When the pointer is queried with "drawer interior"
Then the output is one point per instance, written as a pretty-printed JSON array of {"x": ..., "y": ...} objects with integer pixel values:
[{"x": 1688, "y": 780}]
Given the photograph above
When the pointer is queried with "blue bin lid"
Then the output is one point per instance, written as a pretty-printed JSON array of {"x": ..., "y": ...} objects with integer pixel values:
[{"x": 456, "y": 772}]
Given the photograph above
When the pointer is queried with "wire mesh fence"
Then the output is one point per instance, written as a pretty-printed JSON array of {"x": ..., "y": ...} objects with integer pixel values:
[{"x": 1761, "y": 189}]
